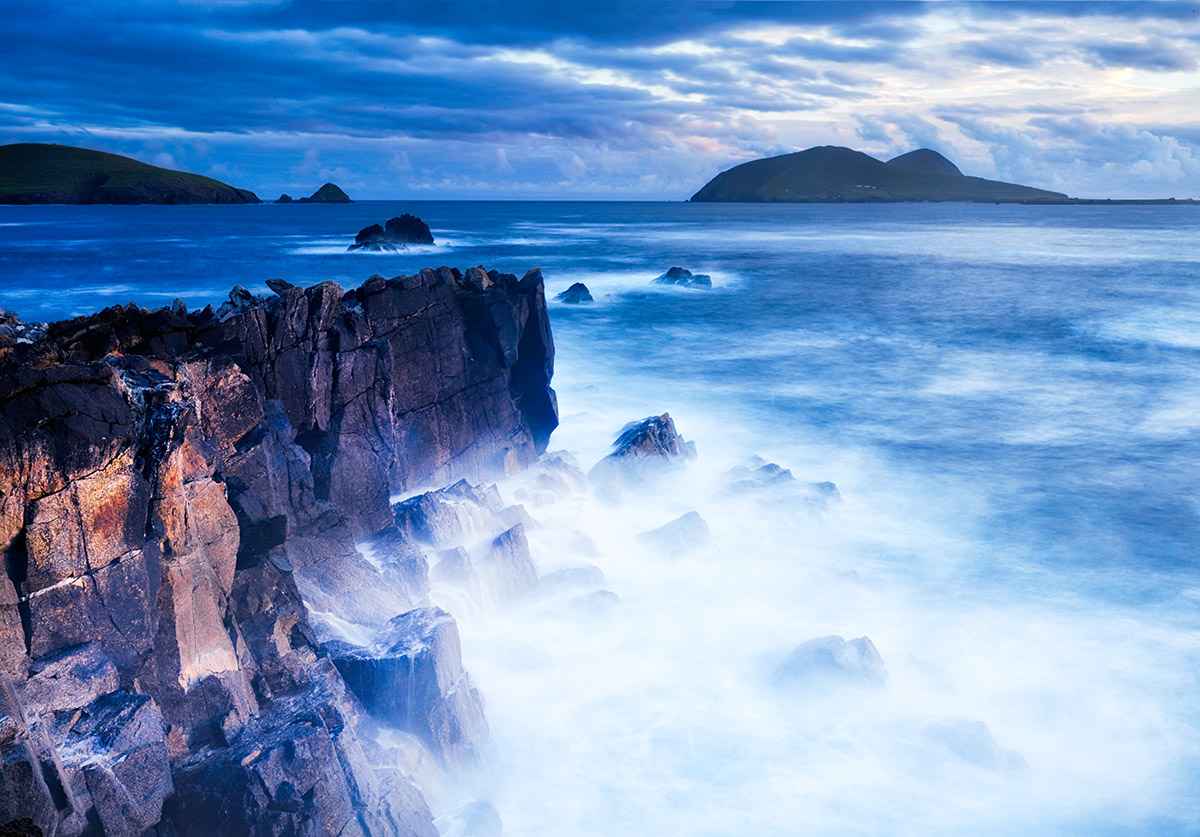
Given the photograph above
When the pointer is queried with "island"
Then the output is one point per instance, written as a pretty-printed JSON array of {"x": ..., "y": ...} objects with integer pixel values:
[
  {"x": 329, "y": 193},
  {"x": 36, "y": 173},
  {"x": 833, "y": 174}
]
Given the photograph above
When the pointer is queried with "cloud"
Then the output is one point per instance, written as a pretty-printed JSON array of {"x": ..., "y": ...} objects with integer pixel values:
[{"x": 407, "y": 95}]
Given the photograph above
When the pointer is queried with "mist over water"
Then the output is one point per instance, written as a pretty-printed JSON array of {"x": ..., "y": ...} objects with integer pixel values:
[{"x": 1006, "y": 398}]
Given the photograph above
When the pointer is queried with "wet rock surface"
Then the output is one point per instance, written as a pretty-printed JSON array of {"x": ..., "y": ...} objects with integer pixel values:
[
  {"x": 180, "y": 499},
  {"x": 396, "y": 234},
  {"x": 576, "y": 294},
  {"x": 642, "y": 449},
  {"x": 683, "y": 278}
]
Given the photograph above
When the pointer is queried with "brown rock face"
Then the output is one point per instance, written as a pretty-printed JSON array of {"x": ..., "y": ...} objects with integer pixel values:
[{"x": 179, "y": 494}]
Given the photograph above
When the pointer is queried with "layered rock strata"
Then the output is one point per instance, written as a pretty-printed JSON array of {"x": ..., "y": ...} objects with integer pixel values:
[{"x": 180, "y": 499}]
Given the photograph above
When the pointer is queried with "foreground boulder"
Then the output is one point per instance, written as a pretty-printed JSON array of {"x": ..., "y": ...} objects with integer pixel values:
[
  {"x": 181, "y": 494},
  {"x": 683, "y": 278},
  {"x": 396, "y": 234}
]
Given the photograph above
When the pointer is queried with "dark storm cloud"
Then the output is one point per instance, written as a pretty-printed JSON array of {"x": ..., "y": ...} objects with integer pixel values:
[
  {"x": 1150, "y": 54},
  {"x": 528, "y": 96},
  {"x": 625, "y": 22}
]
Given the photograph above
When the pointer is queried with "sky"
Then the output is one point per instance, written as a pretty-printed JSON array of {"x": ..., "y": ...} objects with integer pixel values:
[{"x": 612, "y": 100}]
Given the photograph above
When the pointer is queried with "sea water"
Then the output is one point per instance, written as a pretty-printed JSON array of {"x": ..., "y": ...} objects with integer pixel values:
[{"x": 1008, "y": 399}]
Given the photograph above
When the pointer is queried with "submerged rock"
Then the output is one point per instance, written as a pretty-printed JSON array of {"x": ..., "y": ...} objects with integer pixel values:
[
  {"x": 832, "y": 661},
  {"x": 396, "y": 234},
  {"x": 972, "y": 742},
  {"x": 583, "y": 576},
  {"x": 684, "y": 278},
  {"x": 575, "y": 294},
  {"x": 687, "y": 533}
]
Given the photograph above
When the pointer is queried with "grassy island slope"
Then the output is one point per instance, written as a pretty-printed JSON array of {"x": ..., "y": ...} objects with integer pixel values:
[
  {"x": 34, "y": 173},
  {"x": 832, "y": 174}
]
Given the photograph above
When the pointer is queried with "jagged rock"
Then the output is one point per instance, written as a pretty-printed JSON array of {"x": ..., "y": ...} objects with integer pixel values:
[
  {"x": 684, "y": 534},
  {"x": 683, "y": 278},
  {"x": 642, "y": 448},
  {"x": 396, "y": 234},
  {"x": 301, "y": 768},
  {"x": 285, "y": 198},
  {"x": 280, "y": 286},
  {"x": 575, "y": 294},
  {"x": 455, "y": 567},
  {"x": 70, "y": 679},
  {"x": 508, "y": 573},
  {"x": 760, "y": 476},
  {"x": 178, "y": 490},
  {"x": 757, "y": 474},
  {"x": 832, "y": 661},
  {"x": 24, "y": 827},
  {"x": 116, "y": 754},
  {"x": 411, "y": 676},
  {"x": 456, "y": 515}
]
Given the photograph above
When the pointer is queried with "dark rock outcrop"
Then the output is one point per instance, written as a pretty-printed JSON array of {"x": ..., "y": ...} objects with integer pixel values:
[
  {"x": 396, "y": 234},
  {"x": 576, "y": 294},
  {"x": 412, "y": 676},
  {"x": 643, "y": 448},
  {"x": 683, "y": 278},
  {"x": 180, "y": 495}
]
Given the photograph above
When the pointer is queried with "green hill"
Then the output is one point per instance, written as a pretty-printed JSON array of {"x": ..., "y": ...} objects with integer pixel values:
[
  {"x": 35, "y": 173},
  {"x": 832, "y": 174}
]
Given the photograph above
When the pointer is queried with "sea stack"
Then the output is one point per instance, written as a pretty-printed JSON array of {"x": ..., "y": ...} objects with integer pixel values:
[{"x": 396, "y": 234}]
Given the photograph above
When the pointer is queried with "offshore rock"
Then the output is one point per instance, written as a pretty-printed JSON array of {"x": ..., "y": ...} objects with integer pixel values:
[
  {"x": 575, "y": 294},
  {"x": 396, "y": 234},
  {"x": 683, "y": 278},
  {"x": 180, "y": 499},
  {"x": 642, "y": 449}
]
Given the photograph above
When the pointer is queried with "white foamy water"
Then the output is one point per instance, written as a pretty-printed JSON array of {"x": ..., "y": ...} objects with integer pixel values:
[{"x": 1005, "y": 713}]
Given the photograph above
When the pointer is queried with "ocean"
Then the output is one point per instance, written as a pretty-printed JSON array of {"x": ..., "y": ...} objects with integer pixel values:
[{"x": 1008, "y": 400}]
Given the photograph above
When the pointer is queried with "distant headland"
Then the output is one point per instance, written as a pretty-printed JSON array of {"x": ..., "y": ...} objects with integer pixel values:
[
  {"x": 833, "y": 174},
  {"x": 35, "y": 173}
]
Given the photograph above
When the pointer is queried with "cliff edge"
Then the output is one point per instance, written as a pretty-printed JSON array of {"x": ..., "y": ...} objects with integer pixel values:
[{"x": 180, "y": 499}]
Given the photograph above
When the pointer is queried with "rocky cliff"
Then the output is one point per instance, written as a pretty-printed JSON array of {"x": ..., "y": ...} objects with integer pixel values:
[{"x": 181, "y": 495}]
